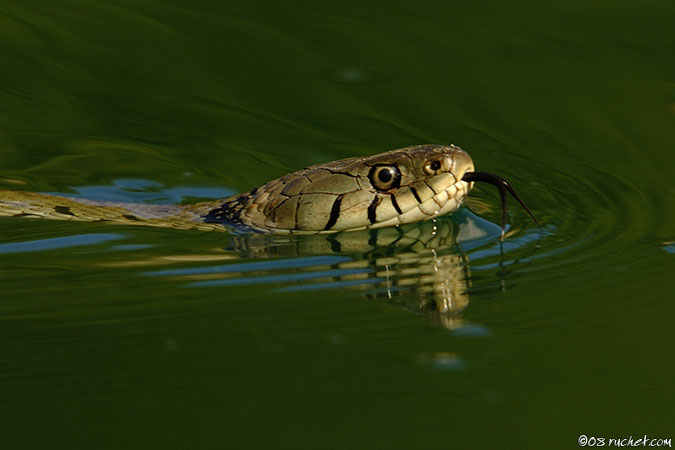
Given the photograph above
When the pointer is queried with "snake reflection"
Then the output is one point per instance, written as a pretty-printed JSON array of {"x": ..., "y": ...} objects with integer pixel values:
[{"x": 419, "y": 267}]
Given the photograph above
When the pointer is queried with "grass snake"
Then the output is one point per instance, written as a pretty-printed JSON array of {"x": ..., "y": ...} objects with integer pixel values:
[{"x": 402, "y": 186}]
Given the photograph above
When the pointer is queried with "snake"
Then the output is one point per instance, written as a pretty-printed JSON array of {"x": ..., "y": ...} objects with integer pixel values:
[{"x": 398, "y": 187}]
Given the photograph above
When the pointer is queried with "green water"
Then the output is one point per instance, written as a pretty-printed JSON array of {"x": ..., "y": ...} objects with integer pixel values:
[{"x": 125, "y": 337}]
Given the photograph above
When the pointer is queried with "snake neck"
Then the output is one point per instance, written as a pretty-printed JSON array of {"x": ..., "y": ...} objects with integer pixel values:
[
  {"x": 46, "y": 206},
  {"x": 227, "y": 212}
]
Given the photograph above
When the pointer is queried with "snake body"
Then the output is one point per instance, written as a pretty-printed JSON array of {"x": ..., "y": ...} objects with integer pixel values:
[{"x": 397, "y": 187}]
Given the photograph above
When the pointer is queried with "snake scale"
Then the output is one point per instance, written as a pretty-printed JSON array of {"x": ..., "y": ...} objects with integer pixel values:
[{"x": 402, "y": 186}]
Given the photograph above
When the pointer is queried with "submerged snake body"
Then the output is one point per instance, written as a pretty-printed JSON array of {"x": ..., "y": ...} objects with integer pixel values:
[{"x": 398, "y": 187}]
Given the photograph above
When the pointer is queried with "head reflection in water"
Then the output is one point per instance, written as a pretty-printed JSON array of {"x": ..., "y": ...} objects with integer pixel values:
[{"x": 419, "y": 267}]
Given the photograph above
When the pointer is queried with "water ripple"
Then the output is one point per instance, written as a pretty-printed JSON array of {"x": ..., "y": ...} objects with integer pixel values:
[{"x": 58, "y": 243}]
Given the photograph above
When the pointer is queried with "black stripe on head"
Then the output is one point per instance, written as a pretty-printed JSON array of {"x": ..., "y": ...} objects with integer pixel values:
[
  {"x": 372, "y": 209},
  {"x": 395, "y": 203},
  {"x": 334, "y": 213},
  {"x": 415, "y": 194}
]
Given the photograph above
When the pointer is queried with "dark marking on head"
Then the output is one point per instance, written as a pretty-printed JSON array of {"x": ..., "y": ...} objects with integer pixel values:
[
  {"x": 63, "y": 210},
  {"x": 227, "y": 213},
  {"x": 372, "y": 209},
  {"x": 334, "y": 213},
  {"x": 131, "y": 217},
  {"x": 415, "y": 194},
  {"x": 395, "y": 203}
]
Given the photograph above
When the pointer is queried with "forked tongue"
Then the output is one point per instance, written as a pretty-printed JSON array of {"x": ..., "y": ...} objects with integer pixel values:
[{"x": 503, "y": 187}]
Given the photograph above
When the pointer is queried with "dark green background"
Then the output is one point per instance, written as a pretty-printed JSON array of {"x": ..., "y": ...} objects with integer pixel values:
[{"x": 572, "y": 101}]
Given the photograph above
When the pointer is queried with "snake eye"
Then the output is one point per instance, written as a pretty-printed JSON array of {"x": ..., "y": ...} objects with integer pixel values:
[
  {"x": 384, "y": 178},
  {"x": 431, "y": 167}
]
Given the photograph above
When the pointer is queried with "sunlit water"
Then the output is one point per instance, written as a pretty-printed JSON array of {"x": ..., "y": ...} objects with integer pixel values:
[{"x": 427, "y": 336}]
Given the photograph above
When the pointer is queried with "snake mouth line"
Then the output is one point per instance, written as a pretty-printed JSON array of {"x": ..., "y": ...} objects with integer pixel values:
[
  {"x": 438, "y": 204},
  {"x": 504, "y": 187}
]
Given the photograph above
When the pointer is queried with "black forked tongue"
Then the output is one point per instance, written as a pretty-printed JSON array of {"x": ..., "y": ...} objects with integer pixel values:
[{"x": 503, "y": 186}]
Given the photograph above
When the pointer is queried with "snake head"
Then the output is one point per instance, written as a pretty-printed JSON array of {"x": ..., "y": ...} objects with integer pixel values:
[
  {"x": 397, "y": 187},
  {"x": 402, "y": 186}
]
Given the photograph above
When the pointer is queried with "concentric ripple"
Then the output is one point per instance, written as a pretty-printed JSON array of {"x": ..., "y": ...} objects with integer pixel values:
[{"x": 587, "y": 214}]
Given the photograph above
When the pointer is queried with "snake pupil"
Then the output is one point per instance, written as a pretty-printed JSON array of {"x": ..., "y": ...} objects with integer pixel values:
[
  {"x": 385, "y": 175},
  {"x": 435, "y": 165}
]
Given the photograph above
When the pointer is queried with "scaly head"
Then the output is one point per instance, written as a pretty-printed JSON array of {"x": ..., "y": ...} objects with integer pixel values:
[{"x": 398, "y": 187}]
